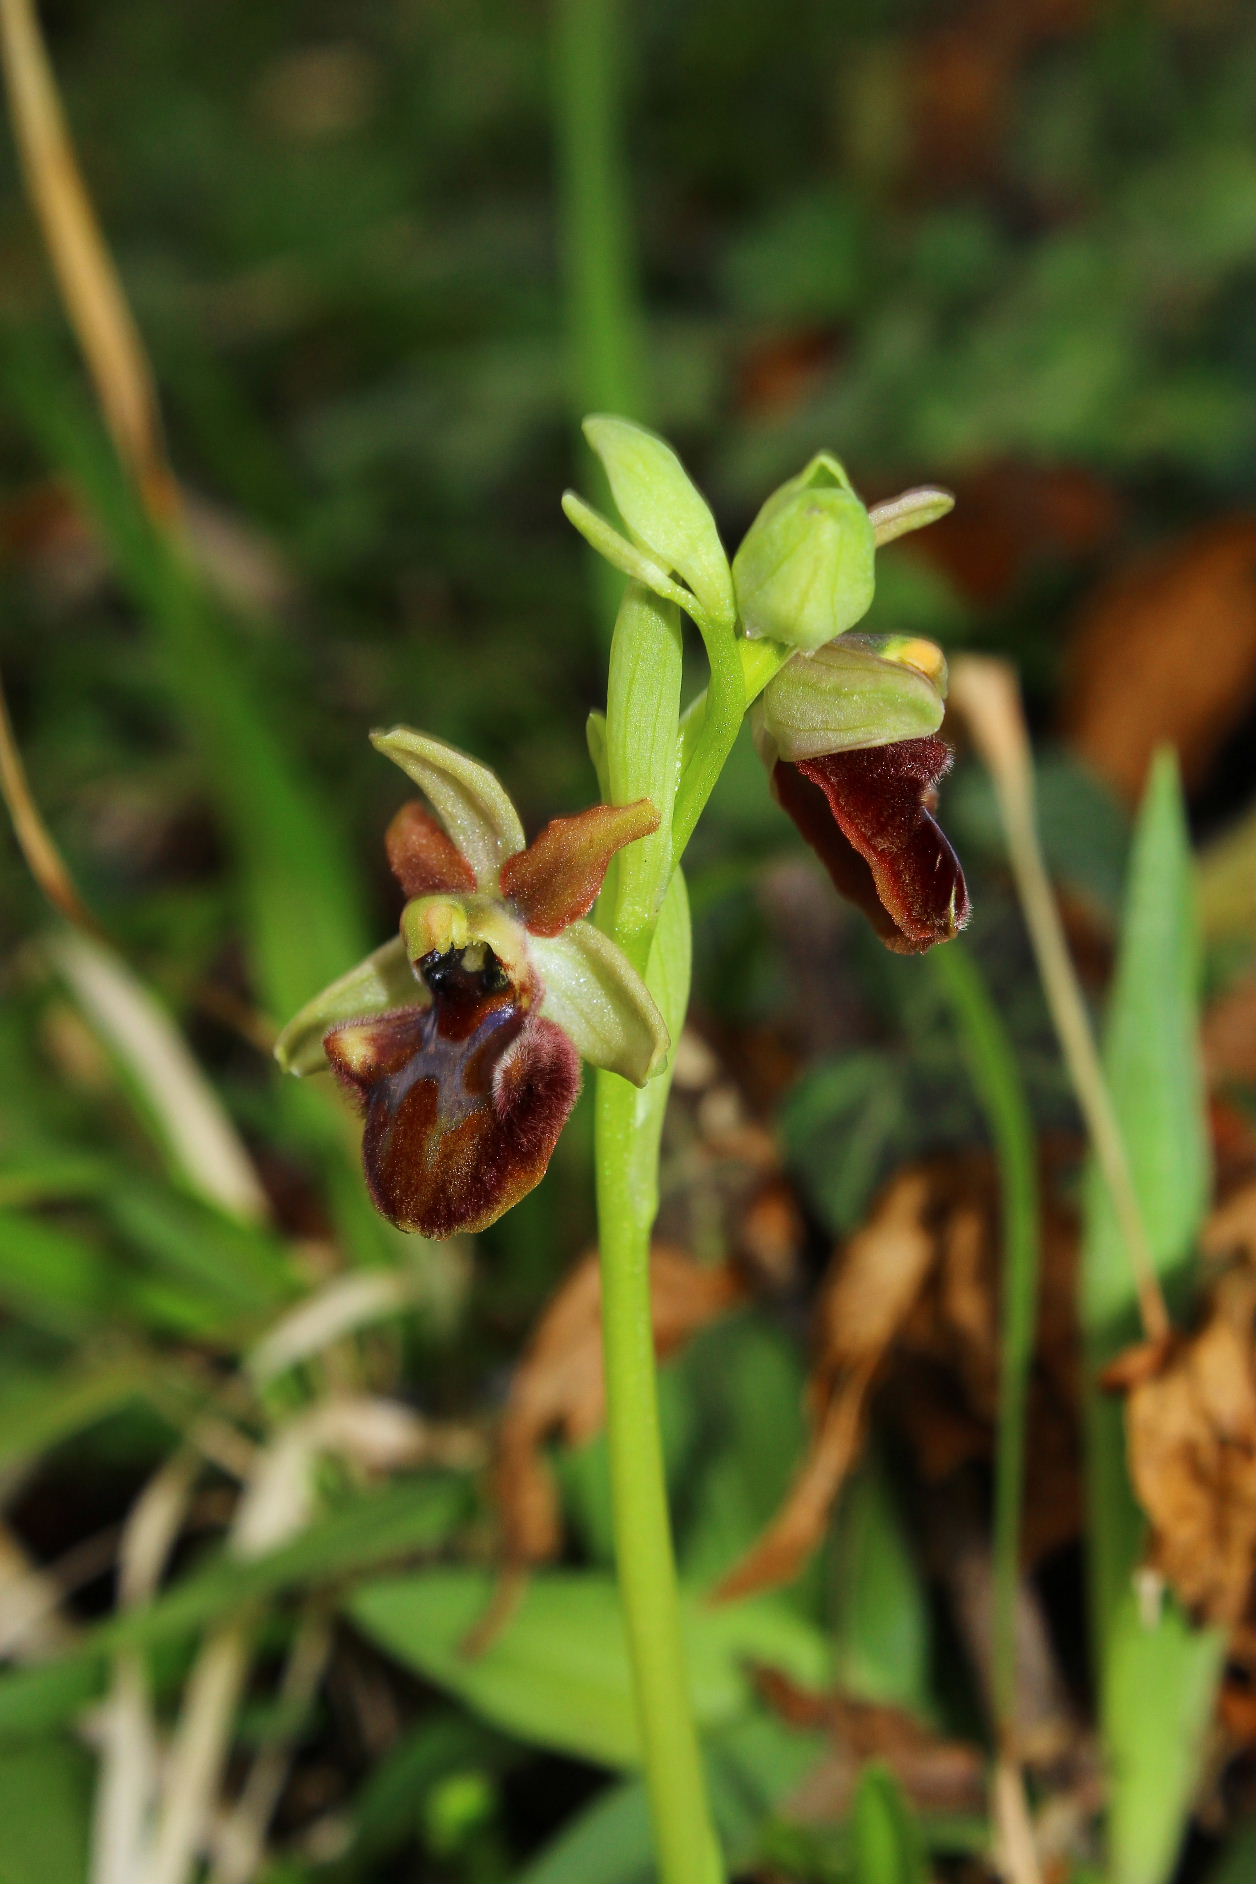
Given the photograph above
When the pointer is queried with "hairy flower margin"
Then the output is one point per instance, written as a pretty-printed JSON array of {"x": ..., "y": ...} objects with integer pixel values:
[{"x": 461, "y": 1038}]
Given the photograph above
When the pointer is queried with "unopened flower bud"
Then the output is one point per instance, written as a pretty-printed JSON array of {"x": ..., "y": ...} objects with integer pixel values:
[
  {"x": 860, "y": 690},
  {"x": 804, "y": 572}
]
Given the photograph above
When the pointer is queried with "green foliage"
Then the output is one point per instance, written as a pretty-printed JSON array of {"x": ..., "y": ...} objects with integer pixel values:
[
  {"x": 340, "y": 241},
  {"x": 1152, "y": 1063},
  {"x": 45, "y": 1807},
  {"x": 558, "y": 1673}
]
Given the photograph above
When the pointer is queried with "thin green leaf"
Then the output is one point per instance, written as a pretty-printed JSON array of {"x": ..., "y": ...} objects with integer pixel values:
[
  {"x": 996, "y": 1076},
  {"x": 887, "y": 1841},
  {"x": 416, "y": 1515},
  {"x": 49, "y": 1276},
  {"x": 1155, "y": 1679},
  {"x": 302, "y": 900}
]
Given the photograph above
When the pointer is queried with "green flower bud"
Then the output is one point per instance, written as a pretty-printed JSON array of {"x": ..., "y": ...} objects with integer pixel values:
[
  {"x": 804, "y": 572},
  {"x": 860, "y": 690}
]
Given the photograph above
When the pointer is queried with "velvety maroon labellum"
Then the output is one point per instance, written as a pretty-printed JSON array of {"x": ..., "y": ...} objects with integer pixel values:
[
  {"x": 868, "y": 814},
  {"x": 464, "y": 1099}
]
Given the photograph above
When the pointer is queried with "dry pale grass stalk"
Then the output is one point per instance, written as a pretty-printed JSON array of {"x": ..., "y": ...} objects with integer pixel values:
[
  {"x": 44, "y": 860},
  {"x": 125, "y": 1729},
  {"x": 31, "y": 1623},
  {"x": 241, "y": 1841},
  {"x": 345, "y": 1305},
  {"x": 1016, "y": 1852},
  {"x": 198, "y": 1753},
  {"x": 986, "y": 693},
  {"x": 89, "y": 283},
  {"x": 202, "y": 1139}
]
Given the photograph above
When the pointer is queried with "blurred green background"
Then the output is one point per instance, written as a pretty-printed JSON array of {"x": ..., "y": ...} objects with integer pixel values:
[{"x": 1006, "y": 248}]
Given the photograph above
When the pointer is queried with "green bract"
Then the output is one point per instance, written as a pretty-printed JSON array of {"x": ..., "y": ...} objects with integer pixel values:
[
  {"x": 804, "y": 572},
  {"x": 861, "y": 690},
  {"x": 665, "y": 513}
]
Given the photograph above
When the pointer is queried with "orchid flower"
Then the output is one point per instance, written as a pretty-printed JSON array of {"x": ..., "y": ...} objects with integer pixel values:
[
  {"x": 461, "y": 1039},
  {"x": 849, "y": 736}
]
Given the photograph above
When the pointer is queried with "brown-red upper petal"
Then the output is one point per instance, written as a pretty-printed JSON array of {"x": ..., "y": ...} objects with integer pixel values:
[
  {"x": 464, "y": 1102},
  {"x": 556, "y": 879},
  {"x": 423, "y": 857},
  {"x": 868, "y": 816}
]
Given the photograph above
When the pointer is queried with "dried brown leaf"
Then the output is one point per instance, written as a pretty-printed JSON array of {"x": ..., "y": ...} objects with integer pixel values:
[
  {"x": 1191, "y": 1425},
  {"x": 559, "y": 1386},
  {"x": 1166, "y": 651},
  {"x": 871, "y": 1288},
  {"x": 937, "y": 1775}
]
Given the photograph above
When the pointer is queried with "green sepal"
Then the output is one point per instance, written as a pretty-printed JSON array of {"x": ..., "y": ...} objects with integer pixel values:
[
  {"x": 857, "y": 691},
  {"x": 630, "y": 560},
  {"x": 911, "y": 510},
  {"x": 384, "y": 980},
  {"x": 469, "y": 800},
  {"x": 592, "y": 991},
  {"x": 805, "y": 569},
  {"x": 664, "y": 511}
]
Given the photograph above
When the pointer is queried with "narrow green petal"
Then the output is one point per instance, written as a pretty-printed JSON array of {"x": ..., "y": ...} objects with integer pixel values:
[
  {"x": 600, "y": 1001},
  {"x": 664, "y": 510},
  {"x": 913, "y": 510},
  {"x": 627, "y": 557},
  {"x": 469, "y": 800},
  {"x": 384, "y": 980}
]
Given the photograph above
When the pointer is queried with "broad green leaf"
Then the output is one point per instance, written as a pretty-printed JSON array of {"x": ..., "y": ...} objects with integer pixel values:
[
  {"x": 1160, "y": 1685},
  {"x": 751, "y": 1768},
  {"x": 747, "y": 1387},
  {"x": 1154, "y": 1679},
  {"x": 664, "y": 510},
  {"x": 45, "y": 1813},
  {"x": 882, "y": 1630},
  {"x": 558, "y": 1674}
]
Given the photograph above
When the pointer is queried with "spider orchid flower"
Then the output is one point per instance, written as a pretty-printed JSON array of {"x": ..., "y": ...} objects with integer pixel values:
[
  {"x": 461, "y": 1039},
  {"x": 849, "y": 734}
]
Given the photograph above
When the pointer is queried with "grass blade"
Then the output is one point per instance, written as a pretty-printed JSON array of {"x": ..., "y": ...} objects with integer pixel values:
[{"x": 1156, "y": 1677}]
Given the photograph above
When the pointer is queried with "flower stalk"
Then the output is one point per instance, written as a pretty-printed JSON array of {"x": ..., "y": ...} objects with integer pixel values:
[{"x": 462, "y": 1038}]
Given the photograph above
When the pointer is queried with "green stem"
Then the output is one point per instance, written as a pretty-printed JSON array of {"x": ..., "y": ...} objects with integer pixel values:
[
  {"x": 714, "y": 721},
  {"x": 627, "y": 1129},
  {"x": 992, "y": 1063}
]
